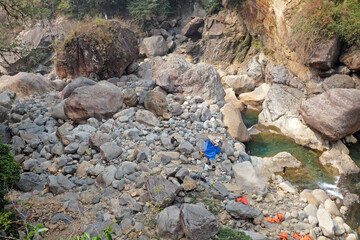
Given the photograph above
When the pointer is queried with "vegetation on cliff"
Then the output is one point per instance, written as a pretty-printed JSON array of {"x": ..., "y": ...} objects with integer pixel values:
[{"x": 324, "y": 19}]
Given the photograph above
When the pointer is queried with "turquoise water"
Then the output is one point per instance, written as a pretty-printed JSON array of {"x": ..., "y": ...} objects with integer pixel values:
[{"x": 312, "y": 172}]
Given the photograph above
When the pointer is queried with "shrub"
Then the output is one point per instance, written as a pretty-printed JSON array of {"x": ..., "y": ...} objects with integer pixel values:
[
  {"x": 214, "y": 6},
  {"x": 230, "y": 234},
  {"x": 142, "y": 10},
  {"x": 323, "y": 19},
  {"x": 9, "y": 172}
]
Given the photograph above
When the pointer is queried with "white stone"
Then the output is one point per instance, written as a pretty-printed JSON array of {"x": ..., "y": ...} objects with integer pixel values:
[
  {"x": 331, "y": 207},
  {"x": 325, "y": 222}
]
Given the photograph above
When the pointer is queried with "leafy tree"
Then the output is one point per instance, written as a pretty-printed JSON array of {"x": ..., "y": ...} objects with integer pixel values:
[{"x": 142, "y": 10}]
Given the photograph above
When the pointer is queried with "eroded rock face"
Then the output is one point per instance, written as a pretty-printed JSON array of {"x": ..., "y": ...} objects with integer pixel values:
[
  {"x": 335, "y": 113},
  {"x": 325, "y": 54},
  {"x": 198, "y": 223},
  {"x": 25, "y": 84},
  {"x": 87, "y": 54},
  {"x": 101, "y": 101},
  {"x": 341, "y": 161}
]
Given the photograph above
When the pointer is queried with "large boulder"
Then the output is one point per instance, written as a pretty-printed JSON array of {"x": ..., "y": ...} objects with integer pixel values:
[
  {"x": 268, "y": 165},
  {"x": 325, "y": 54},
  {"x": 168, "y": 224},
  {"x": 203, "y": 80},
  {"x": 198, "y": 223},
  {"x": 335, "y": 113},
  {"x": 247, "y": 178},
  {"x": 240, "y": 83},
  {"x": 255, "y": 98},
  {"x": 78, "y": 82},
  {"x": 192, "y": 27},
  {"x": 161, "y": 191},
  {"x": 280, "y": 110},
  {"x": 105, "y": 50},
  {"x": 101, "y": 100},
  {"x": 338, "y": 81},
  {"x": 25, "y": 84},
  {"x": 233, "y": 120},
  {"x": 351, "y": 58},
  {"x": 339, "y": 160},
  {"x": 155, "y": 101},
  {"x": 155, "y": 46}
]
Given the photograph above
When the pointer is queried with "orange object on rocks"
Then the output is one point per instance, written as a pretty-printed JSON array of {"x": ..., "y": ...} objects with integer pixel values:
[
  {"x": 283, "y": 236},
  {"x": 279, "y": 217},
  {"x": 297, "y": 236},
  {"x": 242, "y": 199}
]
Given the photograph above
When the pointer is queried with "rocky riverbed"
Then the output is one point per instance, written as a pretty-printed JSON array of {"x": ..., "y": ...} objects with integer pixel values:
[{"x": 81, "y": 175}]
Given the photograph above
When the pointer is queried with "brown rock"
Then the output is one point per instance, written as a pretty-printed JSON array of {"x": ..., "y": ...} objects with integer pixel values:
[
  {"x": 130, "y": 98},
  {"x": 351, "y": 58},
  {"x": 155, "y": 102},
  {"x": 189, "y": 184},
  {"x": 334, "y": 113},
  {"x": 25, "y": 84},
  {"x": 105, "y": 50},
  {"x": 101, "y": 100},
  {"x": 192, "y": 27},
  {"x": 325, "y": 54},
  {"x": 233, "y": 120}
]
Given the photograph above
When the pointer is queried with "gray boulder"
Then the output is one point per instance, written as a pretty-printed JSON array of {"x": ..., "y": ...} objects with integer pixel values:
[
  {"x": 168, "y": 224},
  {"x": 107, "y": 176},
  {"x": 110, "y": 151},
  {"x": 155, "y": 46},
  {"x": 30, "y": 181},
  {"x": 198, "y": 223},
  {"x": 240, "y": 210},
  {"x": 78, "y": 82},
  {"x": 247, "y": 178},
  {"x": 59, "y": 184},
  {"x": 161, "y": 191}
]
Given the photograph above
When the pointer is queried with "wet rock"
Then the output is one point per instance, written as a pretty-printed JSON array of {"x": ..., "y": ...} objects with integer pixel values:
[{"x": 198, "y": 223}]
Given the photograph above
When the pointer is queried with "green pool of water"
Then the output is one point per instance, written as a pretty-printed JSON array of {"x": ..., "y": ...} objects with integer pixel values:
[
  {"x": 308, "y": 175},
  {"x": 250, "y": 117}
]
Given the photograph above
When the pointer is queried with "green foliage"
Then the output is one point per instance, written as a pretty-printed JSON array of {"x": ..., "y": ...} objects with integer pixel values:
[
  {"x": 213, "y": 205},
  {"x": 328, "y": 18},
  {"x": 9, "y": 172},
  {"x": 234, "y": 3},
  {"x": 36, "y": 232},
  {"x": 230, "y": 234},
  {"x": 142, "y": 10},
  {"x": 214, "y": 7},
  {"x": 5, "y": 220}
]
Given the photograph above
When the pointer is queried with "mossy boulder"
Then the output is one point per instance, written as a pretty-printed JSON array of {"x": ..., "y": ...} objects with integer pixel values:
[{"x": 97, "y": 50}]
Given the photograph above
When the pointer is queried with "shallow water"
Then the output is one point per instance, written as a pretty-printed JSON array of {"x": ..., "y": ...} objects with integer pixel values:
[{"x": 311, "y": 174}]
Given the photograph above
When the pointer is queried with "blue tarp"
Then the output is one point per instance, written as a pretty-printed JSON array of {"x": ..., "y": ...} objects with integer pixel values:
[{"x": 211, "y": 150}]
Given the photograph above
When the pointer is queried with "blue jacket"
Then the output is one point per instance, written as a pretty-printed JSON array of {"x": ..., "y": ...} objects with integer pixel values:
[{"x": 211, "y": 150}]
